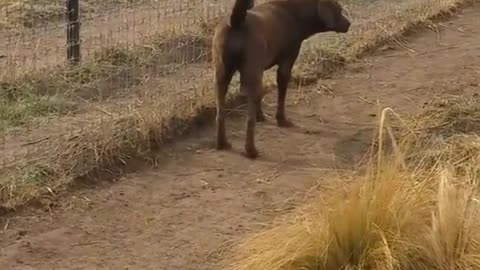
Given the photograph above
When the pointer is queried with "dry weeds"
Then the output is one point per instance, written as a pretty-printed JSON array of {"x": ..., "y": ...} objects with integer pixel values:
[
  {"x": 105, "y": 75},
  {"x": 16, "y": 15},
  {"x": 135, "y": 132},
  {"x": 402, "y": 214}
]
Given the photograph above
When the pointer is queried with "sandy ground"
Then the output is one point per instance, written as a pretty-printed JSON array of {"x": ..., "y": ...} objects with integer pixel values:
[{"x": 186, "y": 212}]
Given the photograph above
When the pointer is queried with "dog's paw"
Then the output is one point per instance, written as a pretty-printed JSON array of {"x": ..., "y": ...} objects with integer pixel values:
[
  {"x": 251, "y": 153},
  {"x": 223, "y": 145},
  {"x": 285, "y": 123}
]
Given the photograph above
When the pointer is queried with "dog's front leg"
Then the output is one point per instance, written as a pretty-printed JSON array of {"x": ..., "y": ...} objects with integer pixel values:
[{"x": 284, "y": 73}]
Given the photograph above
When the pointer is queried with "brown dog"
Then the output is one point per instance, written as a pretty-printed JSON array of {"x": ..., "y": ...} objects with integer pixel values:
[{"x": 257, "y": 38}]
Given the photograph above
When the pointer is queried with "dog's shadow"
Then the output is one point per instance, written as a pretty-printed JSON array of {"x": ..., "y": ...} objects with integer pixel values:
[
  {"x": 352, "y": 149},
  {"x": 350, "y": 142}
]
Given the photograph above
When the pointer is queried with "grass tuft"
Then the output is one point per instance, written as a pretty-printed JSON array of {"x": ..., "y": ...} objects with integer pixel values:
[{"x": 393, "y": 217}]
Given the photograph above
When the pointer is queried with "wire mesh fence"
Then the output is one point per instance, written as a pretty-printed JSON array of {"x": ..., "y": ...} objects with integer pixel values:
[
  {"x": 132, "y": 53},
  {"x": 34, "y": 33}
]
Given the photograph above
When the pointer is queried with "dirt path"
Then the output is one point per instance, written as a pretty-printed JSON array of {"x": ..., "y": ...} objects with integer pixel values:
[{"x": 184, "y": 213}]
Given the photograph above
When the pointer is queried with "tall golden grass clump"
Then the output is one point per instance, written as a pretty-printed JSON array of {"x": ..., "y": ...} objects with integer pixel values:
[{"x": 404, "y": 213}]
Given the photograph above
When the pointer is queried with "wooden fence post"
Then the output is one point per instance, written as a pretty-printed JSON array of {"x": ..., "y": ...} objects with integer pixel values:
[{"x": 73, "y": 31}]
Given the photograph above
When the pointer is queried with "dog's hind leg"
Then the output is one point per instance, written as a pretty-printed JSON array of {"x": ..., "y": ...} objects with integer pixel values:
[
  {"x": 251, "y": 83},
  {"x": 223, "y": 77},
  {"x": 260, "y": 116},
  {"x": 284, "y": 73}
]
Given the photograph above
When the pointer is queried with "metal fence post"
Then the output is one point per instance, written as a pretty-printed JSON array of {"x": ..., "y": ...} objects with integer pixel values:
[{"x": 73, "y": 31}]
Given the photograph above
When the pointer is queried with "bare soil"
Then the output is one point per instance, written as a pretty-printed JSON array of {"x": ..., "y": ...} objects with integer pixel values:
[{"x": 186, "y": 212}]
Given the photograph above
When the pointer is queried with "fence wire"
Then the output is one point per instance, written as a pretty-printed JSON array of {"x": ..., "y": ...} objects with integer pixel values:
[{"x": 33, "y": 32}]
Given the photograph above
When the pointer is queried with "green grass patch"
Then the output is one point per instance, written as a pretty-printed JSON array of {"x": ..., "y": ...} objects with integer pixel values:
[{"x": 109, "y": 73}]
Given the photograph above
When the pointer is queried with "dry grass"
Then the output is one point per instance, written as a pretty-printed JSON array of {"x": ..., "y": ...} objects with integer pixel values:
[
  {"x": 106, "y": 75},
  {"x": 134, "y": 132},
  {"x": 449, "y": 133},
  {"x": 401, "y": 214},
  {"x": 20, "y": 14}
]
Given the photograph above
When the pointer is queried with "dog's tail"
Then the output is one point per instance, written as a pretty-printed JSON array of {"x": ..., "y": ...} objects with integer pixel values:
[{"x": 239, "y": 12}]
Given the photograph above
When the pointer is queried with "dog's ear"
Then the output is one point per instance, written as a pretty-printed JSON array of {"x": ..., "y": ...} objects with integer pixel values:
[{"x": 326, "y": 13}]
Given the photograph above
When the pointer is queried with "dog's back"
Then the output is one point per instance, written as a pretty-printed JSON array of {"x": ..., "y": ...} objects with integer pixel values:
[{"x": 269, "y": 29}]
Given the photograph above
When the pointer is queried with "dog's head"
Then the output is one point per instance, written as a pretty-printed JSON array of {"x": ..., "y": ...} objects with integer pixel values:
[{"x": 331, "y": 16}]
